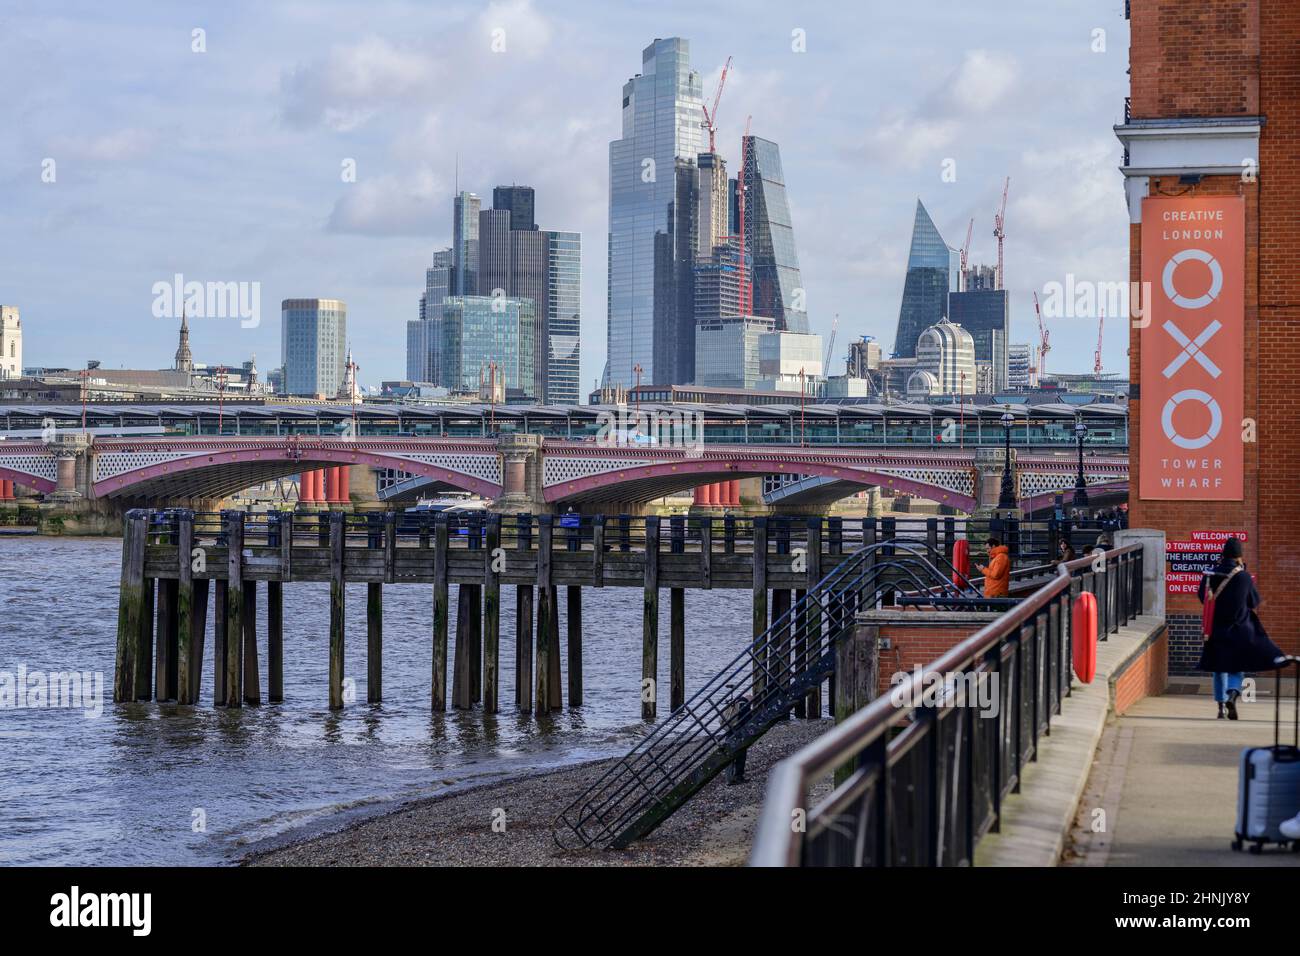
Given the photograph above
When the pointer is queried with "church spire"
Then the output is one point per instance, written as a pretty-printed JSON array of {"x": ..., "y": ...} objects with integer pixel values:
[{"x": 184, "y": 360}]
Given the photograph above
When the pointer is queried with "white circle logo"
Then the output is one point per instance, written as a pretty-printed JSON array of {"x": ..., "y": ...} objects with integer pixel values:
[
  {"x": 1216, "y": 279},
  {"x": 1191, "y": 394}
]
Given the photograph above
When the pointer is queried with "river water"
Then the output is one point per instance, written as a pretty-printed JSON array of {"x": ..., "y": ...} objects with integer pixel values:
[{"x": 162, "y": 784}]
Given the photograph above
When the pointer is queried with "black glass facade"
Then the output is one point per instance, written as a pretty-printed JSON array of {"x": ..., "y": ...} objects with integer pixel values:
[{"x": 932, "y": 269}]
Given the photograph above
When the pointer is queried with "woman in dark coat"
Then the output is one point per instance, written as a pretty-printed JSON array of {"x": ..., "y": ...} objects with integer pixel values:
[{"x": 1237, "y": 641}]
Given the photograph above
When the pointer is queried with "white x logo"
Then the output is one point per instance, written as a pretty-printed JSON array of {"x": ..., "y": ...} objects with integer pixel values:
[{"x": 1192, "y": 348}]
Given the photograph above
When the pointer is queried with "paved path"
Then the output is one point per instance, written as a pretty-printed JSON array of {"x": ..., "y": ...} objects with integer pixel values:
[{"x": 1165, "y": 777}]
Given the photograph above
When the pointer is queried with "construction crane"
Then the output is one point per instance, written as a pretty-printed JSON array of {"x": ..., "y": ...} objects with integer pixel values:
[
  {"x": 830, "y": 346},
  {"x": 999, "y": 229},
  {"x": 965, "y": 252},
  {"x": 711, "y": 115},
  {"x": 1044, "y": 337},
  {"x": 1096, "y": 358}
]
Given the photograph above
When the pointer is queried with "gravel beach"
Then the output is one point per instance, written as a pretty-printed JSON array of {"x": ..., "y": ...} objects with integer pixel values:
[{"x": 714, "y": 829}]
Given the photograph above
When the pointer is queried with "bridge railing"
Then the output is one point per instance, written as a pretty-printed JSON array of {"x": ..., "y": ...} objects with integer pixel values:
[{"x": 930, "y": 770}]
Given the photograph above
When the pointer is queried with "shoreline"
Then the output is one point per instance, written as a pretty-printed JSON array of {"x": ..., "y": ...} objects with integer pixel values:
[{"x": 507, "y": 822}]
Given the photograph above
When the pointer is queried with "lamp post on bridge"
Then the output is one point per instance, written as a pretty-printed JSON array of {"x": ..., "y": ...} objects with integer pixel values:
[
  {"x": 1007, "y": 496},
  {"x": 1080, "y": 486}
]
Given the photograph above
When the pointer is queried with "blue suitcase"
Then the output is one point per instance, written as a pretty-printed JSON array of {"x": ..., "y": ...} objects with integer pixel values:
[{"x": 1269, "y": 786}]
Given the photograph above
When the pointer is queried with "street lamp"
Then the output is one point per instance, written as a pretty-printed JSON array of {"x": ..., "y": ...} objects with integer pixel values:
[
  {"x": 1007, "y": 497},
  {"x": 1080, "y": 486}
]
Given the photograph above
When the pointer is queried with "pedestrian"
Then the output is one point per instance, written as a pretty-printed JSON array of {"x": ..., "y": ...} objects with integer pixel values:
[
  {"x": 997, "y": 574},
  {"x": 1235, "y": 640},
  {"x": 1066, "y": 551}
]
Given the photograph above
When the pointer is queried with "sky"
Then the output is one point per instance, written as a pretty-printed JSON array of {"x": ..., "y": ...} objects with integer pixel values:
[{"x": 144, "y": 139}]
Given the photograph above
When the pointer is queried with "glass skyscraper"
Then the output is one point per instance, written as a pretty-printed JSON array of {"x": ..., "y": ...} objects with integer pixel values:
[
  {"x": 313, "y": 345},
  {"x": 932, "y": 270},
  {"x": 464, "y": 272},
  {"x": 986, "y": 315},
  {"x": 479, "y": 330},
  {"x": 651, "y": 319},
  {"x": 563, "y": 317},
  {"x": 769, "y": 239}
]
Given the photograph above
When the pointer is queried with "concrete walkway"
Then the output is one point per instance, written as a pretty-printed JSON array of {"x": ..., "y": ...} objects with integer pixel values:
[
  {"x": 1164, "y": 786},
  {"x": 1036, "y": 821}
]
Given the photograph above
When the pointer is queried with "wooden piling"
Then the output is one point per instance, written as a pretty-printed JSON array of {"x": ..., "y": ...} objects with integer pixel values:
[
  {"x": 220, "y": 607},
  {"x": 492, "y": 617},
  {"x": 573, "y": 622},
  {"x": 546, "y": 638},
  {"x": 165, "y": 666},
  {"x": 252, "y": 679},
  {"x": 130, "y": 605},
  {"x": 462, "y": 695},
  {"x": 234, "y": 526},
  {"x": 274, "y": 642},
  {"x": 144, "y": 645},
  {"x": 557, "y": 691},
  {"x": 523, "y": 624},
  {"x": 338, "y": 544},
  {"x": 810, "y": 622},
  {"x": 650, "y": 622},
  {"x": 374, "y": 642},
  {"x": 856, "y": 674},
  {"x": 677, "y": 647},
  {"x": 475, "y": 541},
  {"x": 440, "y": 612},
  {"x": 198, "y": 625},
  {"x": 185, "y": 621}
]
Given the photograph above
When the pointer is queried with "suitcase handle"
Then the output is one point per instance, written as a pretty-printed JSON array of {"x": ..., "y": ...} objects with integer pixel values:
[{"x": 1277, "y": 709}]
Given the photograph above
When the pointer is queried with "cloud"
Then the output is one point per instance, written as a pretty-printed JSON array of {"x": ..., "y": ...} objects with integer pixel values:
[
  {"x": 522, "y": 29},
  {"x": 118, "y": 146},
  {"x": 982, "y": 80},
  {"x": 414, "y": 205},
  {"x": 348, "y": 86}
]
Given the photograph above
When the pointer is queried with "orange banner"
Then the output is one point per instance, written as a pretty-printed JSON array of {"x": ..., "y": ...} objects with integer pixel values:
[{"x": 1193, "y": 274}]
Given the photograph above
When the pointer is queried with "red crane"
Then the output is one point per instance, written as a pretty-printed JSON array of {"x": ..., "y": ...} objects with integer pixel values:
[
  {"x": 711, "y": 115},
  {"x": 1045, "y": 344},
  {"x": 999, "y": 230},
  {"x": 965, "y": 252},
  {"x": 1096, "y": 358}
]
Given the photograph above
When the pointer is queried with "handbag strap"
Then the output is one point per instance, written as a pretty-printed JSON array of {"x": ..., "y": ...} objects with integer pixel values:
[{"x": 1214, "y": 595}]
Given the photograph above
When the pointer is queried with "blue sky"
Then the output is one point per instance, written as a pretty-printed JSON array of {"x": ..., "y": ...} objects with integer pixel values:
[{"x": 226, "y": 165}]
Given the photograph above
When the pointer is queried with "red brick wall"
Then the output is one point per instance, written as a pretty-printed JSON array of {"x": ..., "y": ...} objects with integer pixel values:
[
  {"x": 1195, "y": 57},
  {"x": 1224, "y": 58},
  {"x": 916, "y": 647},
  {"x": 1147, "y": 676}
]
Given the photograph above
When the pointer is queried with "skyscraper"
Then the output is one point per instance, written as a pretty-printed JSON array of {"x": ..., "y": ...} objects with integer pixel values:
[
  {"x": 563, "y": 326},
  {"x": 769, "y": 238},
  {"x": 313, "y": 342},
  {"x": 986, "y": 315},
  {"x": 651, "y": 316},
  {"x": 481, "y": 333},
  {"x": 520, "y": 202},
  {"x": 932, "y": 269},
  {"x": 465, "y": 240},
  {"x": 424, "y": 334},
  {"x": 11, "y": 342}
]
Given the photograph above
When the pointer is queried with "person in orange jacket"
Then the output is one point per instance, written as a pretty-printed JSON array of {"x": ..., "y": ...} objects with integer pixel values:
[{"x": 997, "y": 575}]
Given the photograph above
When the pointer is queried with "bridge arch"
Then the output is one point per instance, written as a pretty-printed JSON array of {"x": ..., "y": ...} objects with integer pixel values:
[
  {"x": 204, "y": 470},
  {"x": 654, "y": 480}
]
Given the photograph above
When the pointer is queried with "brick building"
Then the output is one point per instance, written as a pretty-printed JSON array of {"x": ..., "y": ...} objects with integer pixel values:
[{"x": 1213, "y": 122}]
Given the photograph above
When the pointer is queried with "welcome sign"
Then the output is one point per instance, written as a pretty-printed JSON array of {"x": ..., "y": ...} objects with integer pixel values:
[{"x": 1193, "y": 262}]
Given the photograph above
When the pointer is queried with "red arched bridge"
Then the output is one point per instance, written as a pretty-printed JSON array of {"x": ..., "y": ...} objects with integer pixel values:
[{"x": 529, "y": 469}]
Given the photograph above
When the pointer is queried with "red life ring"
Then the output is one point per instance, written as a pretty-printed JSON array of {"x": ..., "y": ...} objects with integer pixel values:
[
  {"x": 960, "y": 561},
  {"x": 1083, "y": 635}
]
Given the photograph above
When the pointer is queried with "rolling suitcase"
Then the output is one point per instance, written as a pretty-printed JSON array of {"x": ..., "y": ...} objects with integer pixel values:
[{"x": 1269, "y": 785}]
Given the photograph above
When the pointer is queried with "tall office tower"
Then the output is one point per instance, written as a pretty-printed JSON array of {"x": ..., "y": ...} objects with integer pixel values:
[
  {"x": 481, "y": 333},
  {"x": 986, "y": 315},
  {"x": 563, "y": 326},
  {"x": 418, "y": 349},
  {"x": 11, "y": 342},
  {"x": 651, "y": 322},
  {"x": 424, "y": 335},
  {"x": 717, "y": 283},
  {"x": 494, "y": 259},
  {"x": 769, "y": 238},
  {"x": 981, "y": 277},
  {"x": 313, "y": 342},
  {"x": 932, "y": 269},
  {"x": 711, "y": 218},
  {"x": 520, "y": 202},
  {"x": 465, "y": 251},
  {"x": 1022, "y": 373}
]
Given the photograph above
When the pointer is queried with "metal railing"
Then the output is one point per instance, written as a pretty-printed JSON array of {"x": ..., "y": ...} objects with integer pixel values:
[
  {"x": 928, "y": 780},
  {"x": 763, "y": 684}
]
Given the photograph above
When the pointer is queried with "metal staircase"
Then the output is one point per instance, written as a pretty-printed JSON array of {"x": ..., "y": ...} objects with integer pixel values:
[{"x": 748, "y": 696}]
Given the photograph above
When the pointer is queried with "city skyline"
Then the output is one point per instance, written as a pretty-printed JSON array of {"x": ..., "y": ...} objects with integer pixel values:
[{"x": 295, "y": 226}]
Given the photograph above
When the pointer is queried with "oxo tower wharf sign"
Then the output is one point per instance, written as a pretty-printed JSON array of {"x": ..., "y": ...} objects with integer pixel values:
[{"x": 1193, "y": 263}]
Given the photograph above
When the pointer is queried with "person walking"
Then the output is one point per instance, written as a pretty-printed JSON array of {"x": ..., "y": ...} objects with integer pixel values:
[
  {"x": 1236, "y": 640},
  {"x": 997, "y": 575}
]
